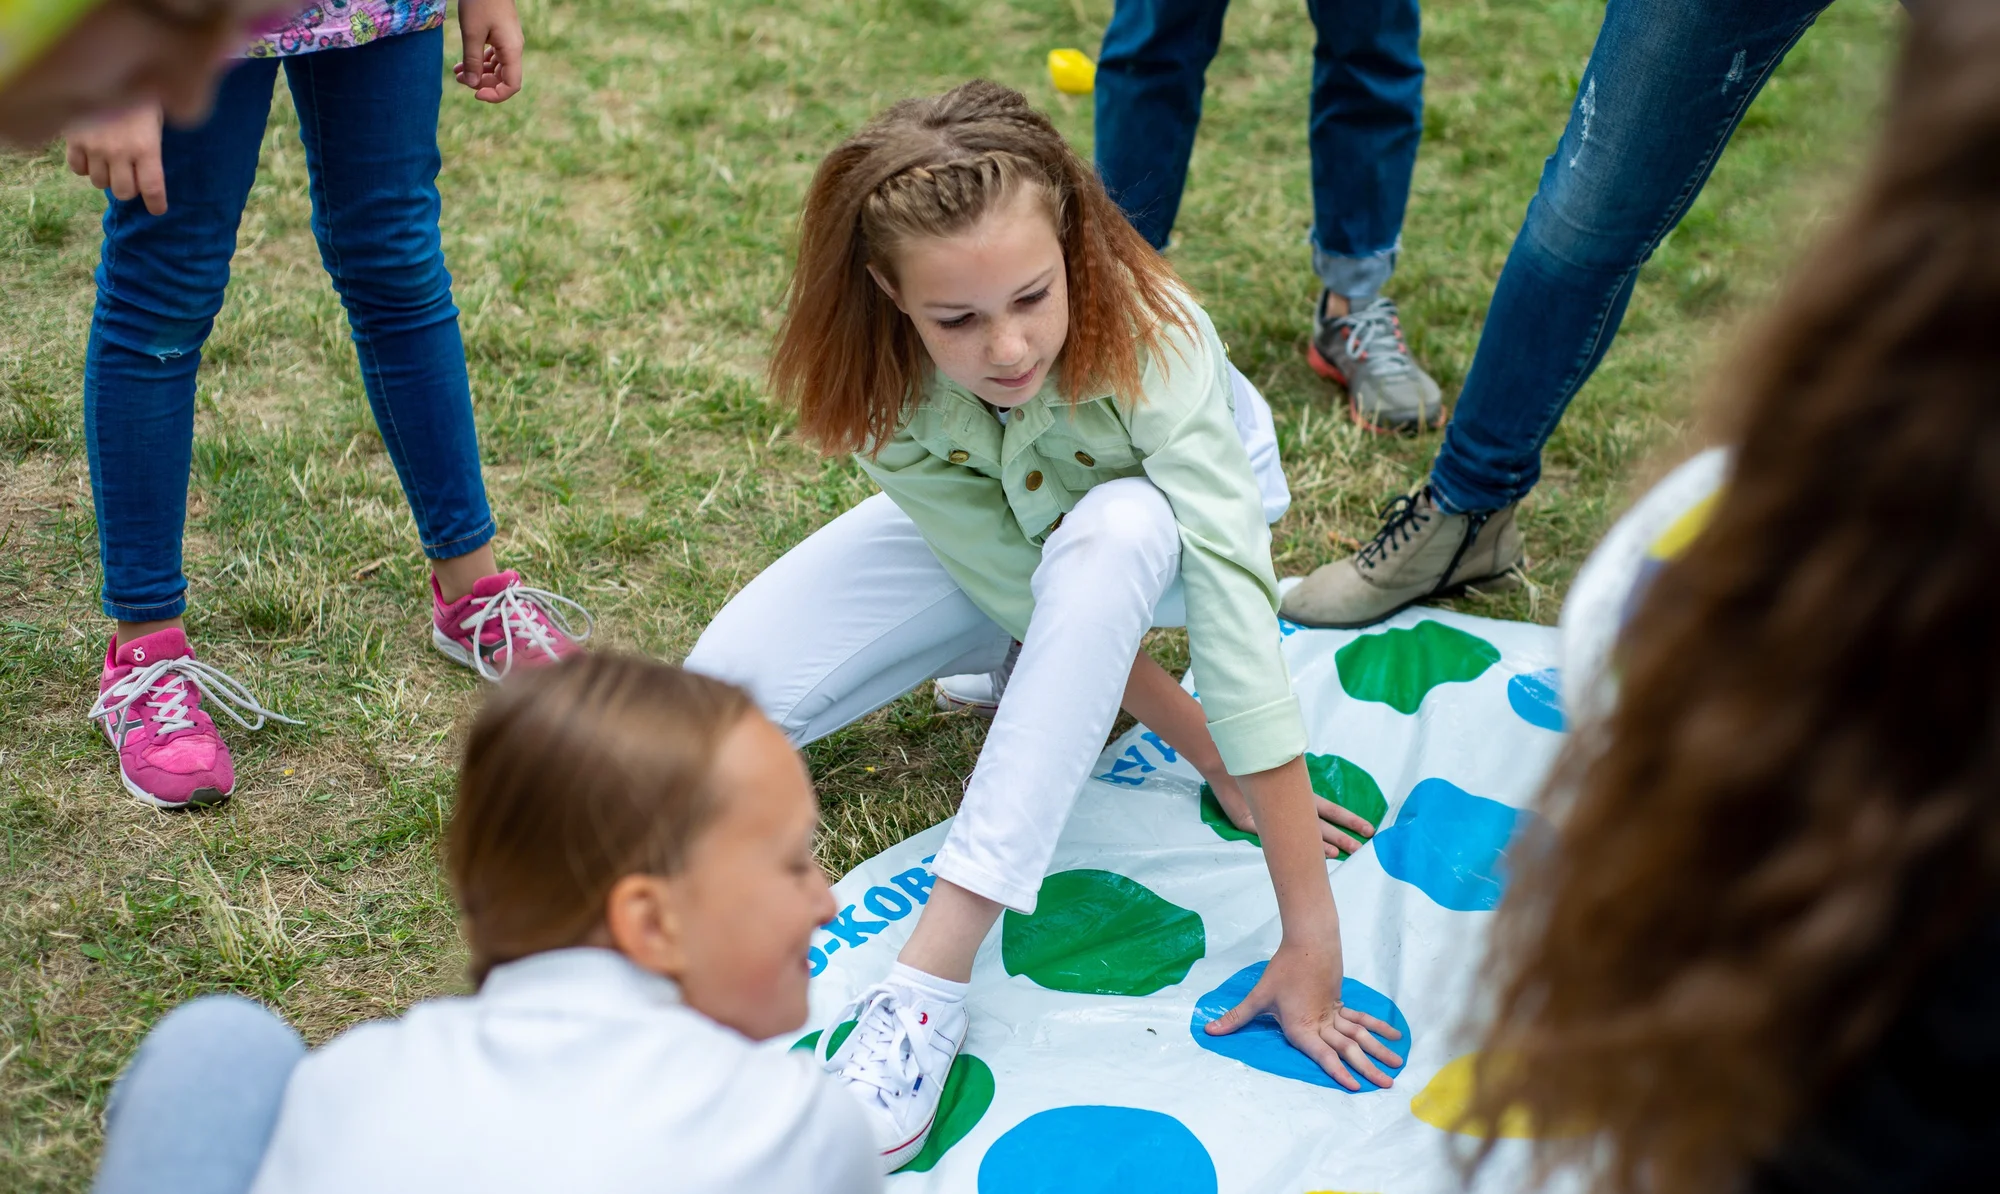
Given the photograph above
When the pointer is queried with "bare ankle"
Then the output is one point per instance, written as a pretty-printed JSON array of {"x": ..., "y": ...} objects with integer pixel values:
[
  {"x": 457, "y": 575},
  {"x": 949, "y": 932},
  {"x": 130, "y": 631}
]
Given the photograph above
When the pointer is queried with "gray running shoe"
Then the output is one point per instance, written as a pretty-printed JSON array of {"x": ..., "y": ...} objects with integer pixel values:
[
  {"x": 1386, "y": 389},
  {"x": 1421, "y": 552}
]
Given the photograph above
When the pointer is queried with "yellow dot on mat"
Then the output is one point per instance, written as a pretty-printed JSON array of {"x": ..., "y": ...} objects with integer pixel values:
[
  {"x": 1443, "y": 1100},
  {"x": 288, "y": 770}
]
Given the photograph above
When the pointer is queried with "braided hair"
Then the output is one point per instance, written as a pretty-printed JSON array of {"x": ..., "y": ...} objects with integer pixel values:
[{"x": 933, "y": 167}]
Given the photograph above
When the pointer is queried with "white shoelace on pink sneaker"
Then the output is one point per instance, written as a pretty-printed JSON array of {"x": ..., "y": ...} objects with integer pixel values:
[
  {"x": 164, "y": 688},
  {"x": 526, "y": 612}
]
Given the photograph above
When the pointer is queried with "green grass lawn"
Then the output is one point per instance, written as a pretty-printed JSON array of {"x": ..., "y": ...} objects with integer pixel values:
[{"x": 619, "y": 237}]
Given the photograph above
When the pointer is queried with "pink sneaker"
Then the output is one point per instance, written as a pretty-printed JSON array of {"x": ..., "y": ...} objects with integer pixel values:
[
  {"x": 502, "y": 623},
  {"x": 170, "y": 754}
]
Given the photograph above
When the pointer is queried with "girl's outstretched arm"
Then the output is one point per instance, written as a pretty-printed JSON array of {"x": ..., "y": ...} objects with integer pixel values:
[
  {"x": 1157, "y": 699},
  {"x": 1302, "y": 983}
]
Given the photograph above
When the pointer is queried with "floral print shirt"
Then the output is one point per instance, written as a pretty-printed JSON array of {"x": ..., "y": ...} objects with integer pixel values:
[{"x": 336, "y": 24}]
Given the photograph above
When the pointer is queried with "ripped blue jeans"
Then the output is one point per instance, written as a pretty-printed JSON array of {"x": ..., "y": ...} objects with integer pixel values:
[
  {"x": 1365, "y": 118},
  {"x": 368, "y": 122},
  {"x": 1665, "y": 88}
]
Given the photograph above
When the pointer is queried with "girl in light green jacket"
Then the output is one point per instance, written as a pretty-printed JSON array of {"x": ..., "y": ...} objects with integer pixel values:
[{"x": 1061, "y": 444}]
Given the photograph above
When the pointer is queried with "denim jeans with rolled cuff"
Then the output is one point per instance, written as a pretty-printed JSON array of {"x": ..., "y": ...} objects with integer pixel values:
[
  {"x": 1364, "y": 120},
  {"x": 1665, "y": 88},
  {"x": 368, "y": 121}
]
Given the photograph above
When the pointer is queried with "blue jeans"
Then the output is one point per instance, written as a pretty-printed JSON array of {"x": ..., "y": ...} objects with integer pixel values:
[
  {"x": 1622, "y": 176},
  {"x": 1366, "y": 117},
  {"x": 194, "y": 1111},
  {"x": 368, "y": 120}
]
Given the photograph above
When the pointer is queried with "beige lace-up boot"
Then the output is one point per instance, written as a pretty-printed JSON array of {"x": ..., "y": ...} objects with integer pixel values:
[{"x": 1420, "y": 553}]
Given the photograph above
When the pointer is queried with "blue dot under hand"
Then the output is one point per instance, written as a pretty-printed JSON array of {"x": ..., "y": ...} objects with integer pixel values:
[
  {"x": 1537, "y": 699},
  {"x": 1261, "y": 1045},
  {"x": 1452, "y": 845},
  {"x": 1097, "y": 1150}
]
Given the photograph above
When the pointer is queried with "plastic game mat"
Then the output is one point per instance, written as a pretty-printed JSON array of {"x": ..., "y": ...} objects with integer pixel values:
[{"x": 1086, "y": 1068}]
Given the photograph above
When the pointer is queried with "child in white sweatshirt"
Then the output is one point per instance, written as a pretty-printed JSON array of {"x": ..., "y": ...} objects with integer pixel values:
[{"x": 632, "y": 856}]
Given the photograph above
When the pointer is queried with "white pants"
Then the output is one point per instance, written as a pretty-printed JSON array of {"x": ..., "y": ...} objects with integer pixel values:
[{"x": 862, "y": 612}]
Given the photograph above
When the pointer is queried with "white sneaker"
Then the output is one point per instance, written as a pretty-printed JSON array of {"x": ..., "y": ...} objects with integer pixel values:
[
  {"x": 977, "y": 693},
  {"x": 895, "y": 1062}
]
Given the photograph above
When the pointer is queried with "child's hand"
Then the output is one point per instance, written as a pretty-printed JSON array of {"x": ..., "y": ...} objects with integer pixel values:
[
  {"x": 122, "y": 153},
  {"x": 1341, "y": 830},
  {"x": 1299, "y": 985},
  {"x": 491, "y": 31}
]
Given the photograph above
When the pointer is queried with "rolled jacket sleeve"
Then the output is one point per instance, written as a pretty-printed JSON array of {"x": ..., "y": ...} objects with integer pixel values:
[
  {"x": 963, "y": 514},
  {"x": 1192, "y": 452}
]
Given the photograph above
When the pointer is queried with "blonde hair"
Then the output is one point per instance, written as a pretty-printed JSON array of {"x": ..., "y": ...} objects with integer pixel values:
[
  {"x": 576, "y": 775},
  {"x": 851, "y": 362}
]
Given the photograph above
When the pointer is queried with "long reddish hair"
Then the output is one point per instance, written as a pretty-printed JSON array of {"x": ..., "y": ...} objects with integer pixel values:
[
  {"x": 851, "y": 362},
  {"x": 1794, "y": 811}
]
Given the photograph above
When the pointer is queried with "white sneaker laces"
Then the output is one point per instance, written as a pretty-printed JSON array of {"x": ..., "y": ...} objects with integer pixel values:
[
  {"x": 164, "y": 687},
  {"x": 882, "y": 1050},
  {"x": 525, "y": 614},
  {"x": 1373, "y": 329}
]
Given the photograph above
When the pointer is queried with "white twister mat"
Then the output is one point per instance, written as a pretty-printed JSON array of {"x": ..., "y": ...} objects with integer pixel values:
[{"x": 1086, "y": 1069}]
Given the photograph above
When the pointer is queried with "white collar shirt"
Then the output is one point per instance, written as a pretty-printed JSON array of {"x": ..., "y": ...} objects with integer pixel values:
[{"x": 571, "y": 1070}]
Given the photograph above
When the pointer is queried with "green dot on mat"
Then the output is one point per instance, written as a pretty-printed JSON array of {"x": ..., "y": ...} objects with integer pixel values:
[
  {"x": 1096, "y": 933},
  {"x": 1213, "y": 816},
  {"x": 1347, "y": 785},
  {"x": 1398, "y": 667},
  {"x": 968, "y": 1092},
  {"x": 1337, "y": 779},
  {"x": 810, "y": 1039}
]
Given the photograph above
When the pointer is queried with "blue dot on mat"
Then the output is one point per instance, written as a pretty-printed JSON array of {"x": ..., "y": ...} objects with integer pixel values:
[
  {"x": 1262, "y": 1046},
  {"x": 1097, "y": 1150},
  {"x": 1537, "y": 698},
  {"x": 1452, "y": 845}
]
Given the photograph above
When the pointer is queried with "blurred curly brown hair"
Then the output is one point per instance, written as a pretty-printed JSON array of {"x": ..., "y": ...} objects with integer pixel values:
[{"x": 1794, "y": 810}]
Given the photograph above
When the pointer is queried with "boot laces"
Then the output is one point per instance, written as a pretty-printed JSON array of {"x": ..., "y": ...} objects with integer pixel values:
[
  {"x": 525, "y": 615},
  {"x": 1375, "y": 333},
  {"x": 164, "y": 687},
  {"x": 1404, "y": 514},
  {"x": 881, "y": 1052}
]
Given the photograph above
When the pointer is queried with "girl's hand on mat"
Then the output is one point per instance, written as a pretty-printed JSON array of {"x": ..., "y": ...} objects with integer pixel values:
[
  {"x": 121, "y": 154},
  {"x": 491, "y": 31},
  {"x": 1298, "y": 986},
  {"x": 1235, "y": 805},
  {"x": 1341, "y": 831}
]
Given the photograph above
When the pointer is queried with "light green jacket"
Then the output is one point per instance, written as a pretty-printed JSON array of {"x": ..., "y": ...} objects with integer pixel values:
[{"x": 985, "y": 497}]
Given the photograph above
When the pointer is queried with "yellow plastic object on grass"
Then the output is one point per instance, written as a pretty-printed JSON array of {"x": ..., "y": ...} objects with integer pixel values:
[{"x": 1072, "y": 72}]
